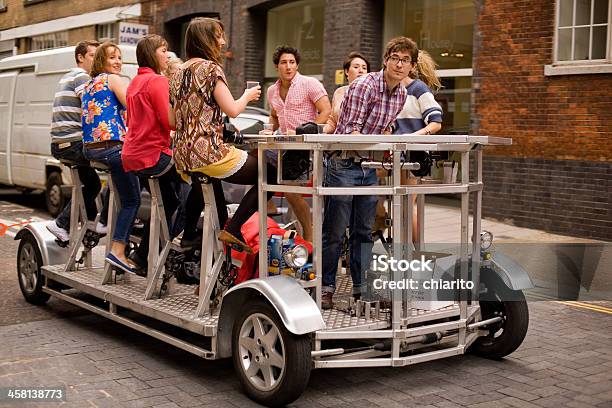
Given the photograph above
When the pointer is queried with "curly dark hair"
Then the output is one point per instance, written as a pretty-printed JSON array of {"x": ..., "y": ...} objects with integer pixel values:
[{"x": 285, "y": 49}]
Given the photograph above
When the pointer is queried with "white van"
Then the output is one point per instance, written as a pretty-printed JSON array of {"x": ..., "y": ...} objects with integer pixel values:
[{"x": 27, "y": 89}]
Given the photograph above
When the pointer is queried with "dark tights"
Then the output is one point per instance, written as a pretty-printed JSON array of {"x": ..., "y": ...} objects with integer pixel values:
[{"x": 247, "y": 175}]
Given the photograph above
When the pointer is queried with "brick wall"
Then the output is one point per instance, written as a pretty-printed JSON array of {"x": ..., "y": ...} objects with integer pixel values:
[
  {"x": 349, "y": 25},
  {"x": 17, "y": 15},
  {"x": 561, "y": 159}
]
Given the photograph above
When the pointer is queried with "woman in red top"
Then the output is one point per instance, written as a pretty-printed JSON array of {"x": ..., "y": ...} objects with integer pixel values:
[{"x": 146, "y": 149}]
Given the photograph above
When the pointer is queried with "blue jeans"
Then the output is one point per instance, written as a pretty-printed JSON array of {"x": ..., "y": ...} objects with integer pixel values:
[
  {"x": 168, "y": 185},
  {"x": 127, "y": 186},
  {"x": 355, "y": 212}
]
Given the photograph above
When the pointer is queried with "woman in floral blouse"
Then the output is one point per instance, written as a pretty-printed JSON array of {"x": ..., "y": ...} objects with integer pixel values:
[
  {"x": 104, "y": 129},
  {"x": 199, "y": 93}
]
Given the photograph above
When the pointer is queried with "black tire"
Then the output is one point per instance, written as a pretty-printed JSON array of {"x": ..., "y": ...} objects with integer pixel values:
[
  {"x": 506, "y": 336},
  {"x": 31, "y": 280},
  {"x": 54, "y": 196},
  {"x": 287, "y": 383}
]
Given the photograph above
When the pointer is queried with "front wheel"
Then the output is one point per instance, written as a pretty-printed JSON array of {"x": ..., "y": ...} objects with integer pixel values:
[
  {"x": 273, "y": 365},
  {"x": 29, "y": 262},
  {"x": 507, "y": 335}
]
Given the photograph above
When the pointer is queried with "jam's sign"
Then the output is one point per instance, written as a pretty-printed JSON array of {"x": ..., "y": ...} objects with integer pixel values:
[{"x": 130, "y": 33}]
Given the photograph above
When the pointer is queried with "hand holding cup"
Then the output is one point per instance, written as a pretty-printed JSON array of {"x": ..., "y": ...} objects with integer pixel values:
[{"x": 253, "y": 90}]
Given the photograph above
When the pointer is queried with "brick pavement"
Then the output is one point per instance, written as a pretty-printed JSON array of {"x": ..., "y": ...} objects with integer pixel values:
[{"x": 565, "y": 361}]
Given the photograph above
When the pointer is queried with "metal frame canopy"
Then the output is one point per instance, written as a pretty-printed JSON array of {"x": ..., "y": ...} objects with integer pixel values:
[{"x": 406, "y": 326}]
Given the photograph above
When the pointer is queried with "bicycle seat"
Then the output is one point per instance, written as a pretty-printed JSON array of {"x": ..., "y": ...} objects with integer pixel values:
[{"x": 100, "y": 166}]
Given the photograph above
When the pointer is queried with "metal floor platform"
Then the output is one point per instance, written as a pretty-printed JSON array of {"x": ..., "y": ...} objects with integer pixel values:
[{"x": 177, "y": 308}]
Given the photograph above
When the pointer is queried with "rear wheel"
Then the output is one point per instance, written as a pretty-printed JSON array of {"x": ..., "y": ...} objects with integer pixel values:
[
  {"x": 53, "y": 194},
  {"x": 273, "y": 364},
  {"x": 29, "y": 262},
  {"x": 507, "y": 335}
]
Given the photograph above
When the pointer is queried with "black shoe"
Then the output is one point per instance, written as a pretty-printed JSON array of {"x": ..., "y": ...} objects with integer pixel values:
[
  {"x": 326, "y": 300},
  {"x": 140, "y": 265},
  {"x": 190, "y": 243}
]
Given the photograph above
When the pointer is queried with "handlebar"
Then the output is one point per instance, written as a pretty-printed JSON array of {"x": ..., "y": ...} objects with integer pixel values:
[{"x": 389, "y": 166}]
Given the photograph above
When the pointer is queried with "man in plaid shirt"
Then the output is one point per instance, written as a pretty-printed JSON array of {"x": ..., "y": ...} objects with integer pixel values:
[{"x": 371, "y": 105}]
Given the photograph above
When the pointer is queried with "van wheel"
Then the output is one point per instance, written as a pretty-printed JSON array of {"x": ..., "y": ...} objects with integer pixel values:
[
  {"x": 53, "y": 194},
  {"x": 29, "y": 262},
  {"x": 273, "y": 364}
]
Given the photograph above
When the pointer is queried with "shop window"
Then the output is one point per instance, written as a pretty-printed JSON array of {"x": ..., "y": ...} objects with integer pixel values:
[
  {"x": 48, "y": 41},
  {"x": 444, "y": 28},
  {"x": 300, "y": 25},
  {"x": 2, "y": 5}
]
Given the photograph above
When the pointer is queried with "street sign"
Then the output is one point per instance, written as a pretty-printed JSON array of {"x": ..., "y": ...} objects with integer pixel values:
[
  {"x": 130, "y": 33},
  {"x": 339, "y": 77}
]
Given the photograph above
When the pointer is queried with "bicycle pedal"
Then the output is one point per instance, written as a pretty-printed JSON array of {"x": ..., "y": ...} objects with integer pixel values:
[{"x": 62, "y": 244}]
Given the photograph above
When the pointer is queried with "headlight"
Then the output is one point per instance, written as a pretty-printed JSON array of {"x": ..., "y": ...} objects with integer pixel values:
[
  {"x": 297, "y": 256},
  {"x": 486, "y": 240}
]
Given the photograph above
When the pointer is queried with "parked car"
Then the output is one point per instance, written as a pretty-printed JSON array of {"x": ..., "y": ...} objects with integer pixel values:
[{"x": 250, "y": 122}]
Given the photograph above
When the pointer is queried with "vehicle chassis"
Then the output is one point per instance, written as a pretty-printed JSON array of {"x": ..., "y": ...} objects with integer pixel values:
[{"x": 400, "y": 336}]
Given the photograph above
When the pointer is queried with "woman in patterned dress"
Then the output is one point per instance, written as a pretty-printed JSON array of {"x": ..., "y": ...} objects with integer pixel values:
[
  {"x": 103, "y": 121},
  {"x": 199, "y": 94}
]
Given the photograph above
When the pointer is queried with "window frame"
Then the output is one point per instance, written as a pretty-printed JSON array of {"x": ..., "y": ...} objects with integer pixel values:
[
  {"x": 56, "y": 37},
  {"x": 576, "y": 67},
  {"x": 109, "y": 28}
]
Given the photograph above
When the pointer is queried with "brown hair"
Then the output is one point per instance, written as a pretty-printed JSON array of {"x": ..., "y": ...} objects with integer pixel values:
[
  {"x": 285, "y": 49},
  {"x": 81, "y": 48},
  {"x": 426, "y": 71},
  {"x": 145, "y": 51},
  {"x": 349, "y": 60},
  {"x": 100, "y": 58},
  {"x": 201, "y": 39},
  {"x": 402, "y": 44}
]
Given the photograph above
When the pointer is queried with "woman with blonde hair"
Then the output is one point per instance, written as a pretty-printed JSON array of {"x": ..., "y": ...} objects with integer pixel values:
[
  {"x": 199, "y": 94},
  {"x": 421, "y": 114}
]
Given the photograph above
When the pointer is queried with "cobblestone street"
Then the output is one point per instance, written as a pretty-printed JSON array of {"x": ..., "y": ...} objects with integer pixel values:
[{"x": 565, "y": 361}]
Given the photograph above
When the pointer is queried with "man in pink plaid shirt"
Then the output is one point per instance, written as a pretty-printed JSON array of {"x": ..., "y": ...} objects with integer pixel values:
[
  {"x": 371, "y": 104},
  {"x": 296, "y": 99}
]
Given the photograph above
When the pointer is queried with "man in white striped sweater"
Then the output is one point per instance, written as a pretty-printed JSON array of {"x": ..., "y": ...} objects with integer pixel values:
[{"x": 66, "y": 136}]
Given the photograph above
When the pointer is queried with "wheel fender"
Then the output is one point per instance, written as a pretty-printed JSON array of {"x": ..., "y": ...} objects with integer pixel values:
[
  {"x": 52, "y": 254},
  {"x": 297, "y": 310},
  {"x": 512, "y": 274}
]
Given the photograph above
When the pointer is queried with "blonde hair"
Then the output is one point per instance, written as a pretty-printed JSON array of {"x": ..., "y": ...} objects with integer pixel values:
[
  {"x": 173, "y": 64},
  {"x": 425, "y": 70}
]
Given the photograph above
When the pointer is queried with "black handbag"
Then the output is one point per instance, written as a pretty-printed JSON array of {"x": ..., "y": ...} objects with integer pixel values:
[{"x": 296, "y": 163}]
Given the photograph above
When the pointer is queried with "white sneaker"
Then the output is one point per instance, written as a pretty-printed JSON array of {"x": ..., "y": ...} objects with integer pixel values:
[
  {"x": 59, "y": 232},
  {"x": 101, "y": 228}
]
